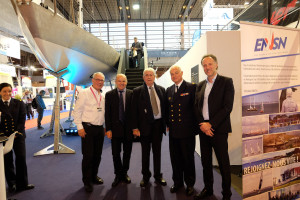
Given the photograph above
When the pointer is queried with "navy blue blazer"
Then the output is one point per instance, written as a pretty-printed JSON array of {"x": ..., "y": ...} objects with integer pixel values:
[{"x": 220, "y": 103}]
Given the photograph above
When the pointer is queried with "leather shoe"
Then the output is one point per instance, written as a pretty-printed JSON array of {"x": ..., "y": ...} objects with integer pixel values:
[
  {"x": 161, "y": 181},
  {"x": 115, "y": 182},
  {"x": 175, "y": 188},
  {"x": 12, "y": 189},
  {"x": 189, "y": 191},
  {"x": 88, "y": 188},
  {"x": 226, "y": 198},
  {"x": 27, "y": 187},
  {"x": 203, "y": 194},
  {"x": 126, "y": 179},
  {"x": 98, "y": 181},
  {"x": 144, "y": 183}
]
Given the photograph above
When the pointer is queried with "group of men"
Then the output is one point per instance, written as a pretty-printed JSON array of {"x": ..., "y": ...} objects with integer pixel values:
[{"x": 149, "y": 111}]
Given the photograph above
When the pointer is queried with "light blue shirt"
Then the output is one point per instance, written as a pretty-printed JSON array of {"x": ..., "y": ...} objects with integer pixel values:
[{"x": 205, "y": 110}]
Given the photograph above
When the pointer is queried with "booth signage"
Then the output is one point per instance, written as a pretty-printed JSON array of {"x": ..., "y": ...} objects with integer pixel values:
[{"x": 9, "y": 47}]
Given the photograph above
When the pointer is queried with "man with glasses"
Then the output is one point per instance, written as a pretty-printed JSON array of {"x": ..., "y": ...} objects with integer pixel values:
[{"x": 89, "y": 118}]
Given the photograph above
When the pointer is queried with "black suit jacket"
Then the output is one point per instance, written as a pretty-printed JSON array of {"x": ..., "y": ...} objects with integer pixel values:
[
  {"x": 13, "y": 118},
  {"x": 112, "y": 121},
  {"x": 142, "y": 113},
  {"x": 179, "y": 109},
  {"x": 220, "y": 103}
]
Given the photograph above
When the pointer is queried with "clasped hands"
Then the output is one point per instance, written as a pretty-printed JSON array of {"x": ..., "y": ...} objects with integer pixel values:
[{"x": 206, "y": 128}]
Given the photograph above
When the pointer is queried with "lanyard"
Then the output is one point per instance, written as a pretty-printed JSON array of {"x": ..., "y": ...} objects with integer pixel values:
[{"x": 96, "y": 97}]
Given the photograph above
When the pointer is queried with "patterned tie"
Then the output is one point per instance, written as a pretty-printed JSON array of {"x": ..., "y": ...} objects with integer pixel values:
[
  {"x": 6, "y": 103},
  {"x": 121, "y": 107},
  {"x": 153, "y": 101}
]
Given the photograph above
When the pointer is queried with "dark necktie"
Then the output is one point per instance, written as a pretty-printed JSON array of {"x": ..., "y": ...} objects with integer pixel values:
[
  {"x": 176, "y": 89},
  {"x": 121, "y": 107},
  {"x": 6, "y": 103}
]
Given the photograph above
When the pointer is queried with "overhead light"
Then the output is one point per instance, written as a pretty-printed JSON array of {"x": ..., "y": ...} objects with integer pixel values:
[
  {"x": 261, "y": 3},
  {"x": 128, "y": 16},
  {"x": 191, "y": 7},
  {"x": 120, "y": 7},
  {"x": 180, "y": 15},
  {"x": 246, "y": 3},
  {"x": 136, "y": 6},
  {"x": 127, "y": 7},
  {"x": 184, "y": 6}
]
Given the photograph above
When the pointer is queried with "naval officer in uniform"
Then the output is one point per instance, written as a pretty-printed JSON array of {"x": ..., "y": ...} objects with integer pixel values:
[
  {"x": 13, "y": 115},
  {"x": 182, "y": 130}
]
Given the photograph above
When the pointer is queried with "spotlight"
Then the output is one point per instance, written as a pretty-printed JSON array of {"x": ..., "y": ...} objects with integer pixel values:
[{"x": 136, "y": 6}]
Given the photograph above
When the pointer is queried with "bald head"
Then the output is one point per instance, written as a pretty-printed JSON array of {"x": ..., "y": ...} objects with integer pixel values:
[{"x": 121, "y": 81}]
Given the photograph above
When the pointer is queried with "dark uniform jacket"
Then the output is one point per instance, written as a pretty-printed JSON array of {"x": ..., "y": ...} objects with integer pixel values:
[
  {"x": 220, "y": 103},
  {"x": 13, "y": 118},
  {"x": 142, "y": 113},
  {"x": 179, "y": 108},
  {"x": 112, "y": 121}
]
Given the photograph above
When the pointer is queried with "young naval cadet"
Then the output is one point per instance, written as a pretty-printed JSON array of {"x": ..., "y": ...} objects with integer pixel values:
[
  {"x": 182, "y": 130},
  {"x": 118, "y": 127},
  {"x": 148, "y": 113},
  {"x": 213, "y": 105},
  {"x": 13, "y": 115},
  {"x": 89, "y": 118}
]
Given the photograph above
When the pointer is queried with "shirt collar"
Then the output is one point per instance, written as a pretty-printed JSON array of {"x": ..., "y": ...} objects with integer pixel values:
[
  {"x": 6, "y": 100},
  {"x": 122, "y": 90},
  {"x": 179, "y": 83},
  {"x": 96, "y": 92},
  {"x": 212, "y": 79}
]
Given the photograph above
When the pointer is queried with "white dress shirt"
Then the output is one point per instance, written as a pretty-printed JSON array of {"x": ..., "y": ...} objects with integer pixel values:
[
  {"x": 7, "y": 101},
  {"x": 86, "y": 108},
  {"x": 178, "y": 86},
  {"x": 158, "y": 116},
  {"x": 205, "y": 110}
]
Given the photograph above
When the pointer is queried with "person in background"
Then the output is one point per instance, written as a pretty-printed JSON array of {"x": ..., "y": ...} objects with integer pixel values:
[
  {"x": 27, "y": 98},
  {"x": 137, "y": 51},
  {"x": 89, "y": 118},
  {"x": 118, "y": 127},
  {"x": 182, "y": 130},
  {"x": 13, "y": 116},
  {"x": 213, "y": 105},
  {"x": 40, "y": 108},
  {"x": 148, "y": 122}
]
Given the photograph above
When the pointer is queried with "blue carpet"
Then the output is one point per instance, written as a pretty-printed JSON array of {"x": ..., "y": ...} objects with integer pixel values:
[{"x": 58, "y": 177}]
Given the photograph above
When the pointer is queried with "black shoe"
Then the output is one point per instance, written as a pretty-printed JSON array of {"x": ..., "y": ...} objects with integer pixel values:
[
  {"x": 115, "y": 182},
  {"x": 27, "y": 187},
  {"x": 161, "y": 181},
  {"x": 98, "y": 181},
  {"x": 175, "y": 188},
  {"x": 203, "y": 194},
  {"x": 12, "y": 189},
  {"x": 189, "y": 191},
  {"x": 88, "y": 188},
  {"x": 144, "y": 183},
  {"x": 126, "y": 179},
  {"x": 226, "y": 198},
  {"x": 40, "y": 128}
]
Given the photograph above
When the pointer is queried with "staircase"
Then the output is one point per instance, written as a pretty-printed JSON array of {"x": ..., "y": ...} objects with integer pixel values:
[{"x": 134, "y": 78}]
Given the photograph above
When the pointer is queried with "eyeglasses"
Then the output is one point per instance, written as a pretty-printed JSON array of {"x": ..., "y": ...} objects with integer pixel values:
[{"x": 98, "y": 80}]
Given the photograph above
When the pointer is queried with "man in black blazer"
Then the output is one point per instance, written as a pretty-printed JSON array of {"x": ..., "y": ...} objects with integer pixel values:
[
  {"x": 148, "y": 123},
  {"x": 13, "y": 116},
  {"x": 118, "y": 127},
  {"x": 213, "y": 105},
  {"x": 182, "y": 130}
]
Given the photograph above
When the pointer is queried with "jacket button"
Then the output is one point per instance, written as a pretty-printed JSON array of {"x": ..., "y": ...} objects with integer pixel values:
[
  {"x": 179, "y": 104},
  {"x": 171, "y": 110},
  {"x": 172, "y": 120},
  {"x": 179, "y": 120},
  {"x": 179, "y": 110},
  {"x": 172, "y": 106}
]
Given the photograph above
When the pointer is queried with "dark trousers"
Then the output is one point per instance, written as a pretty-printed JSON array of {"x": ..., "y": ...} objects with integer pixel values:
[
  {"x": 16, "y": 176},
  {"x": 220, "y": 145},
  {"x": 138, "y": 59},
  {"x": 182, "y": 160},
  {"x": 154, "y": 140},
  {"x": 91, "y": 147},
  {"x": 40, "y": 116},
  {"x": 121, "y": 168},
  {"x": 29, "y": 111}
]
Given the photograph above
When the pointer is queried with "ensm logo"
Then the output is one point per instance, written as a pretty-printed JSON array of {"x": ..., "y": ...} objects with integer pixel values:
[{"x": 275, "y": 43}]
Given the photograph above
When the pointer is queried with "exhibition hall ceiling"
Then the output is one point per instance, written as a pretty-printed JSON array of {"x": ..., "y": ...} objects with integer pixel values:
[{"x": 99, "y": 11}]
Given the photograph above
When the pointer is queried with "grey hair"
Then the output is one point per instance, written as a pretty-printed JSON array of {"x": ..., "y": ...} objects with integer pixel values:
[
  {"x": 98, "y": 73},
  {"x": 175, "y": 67},
  {"x": 149, "y": 70},
  {"x": 123, "y": 75}
]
